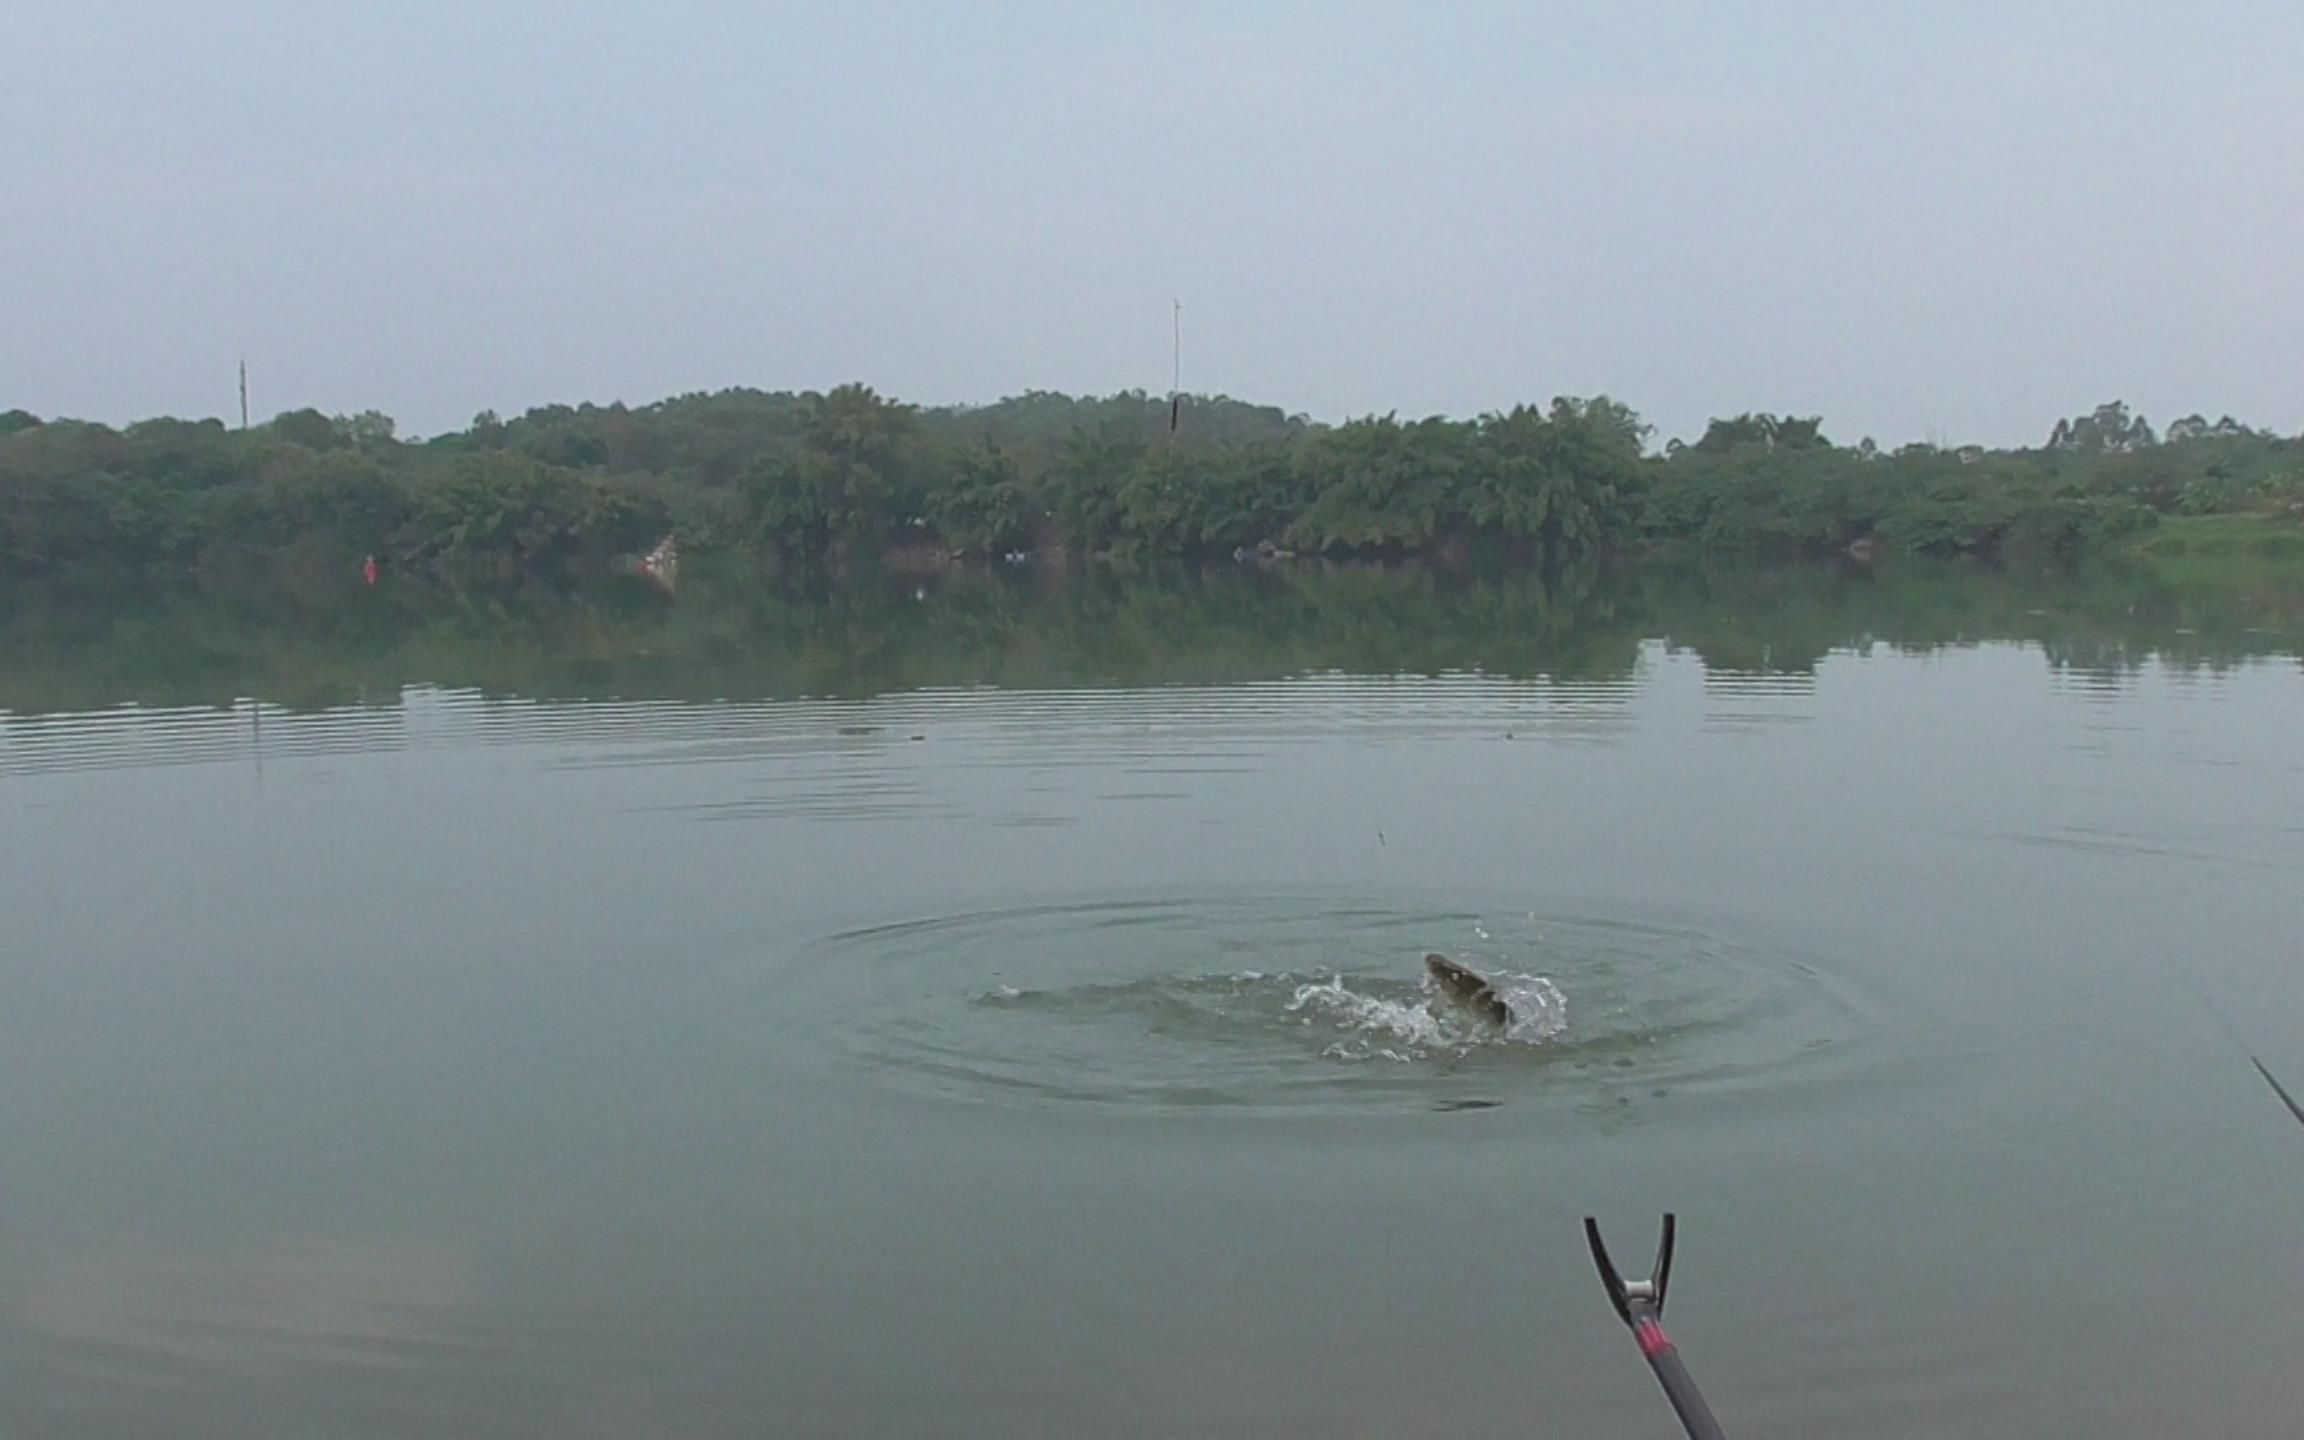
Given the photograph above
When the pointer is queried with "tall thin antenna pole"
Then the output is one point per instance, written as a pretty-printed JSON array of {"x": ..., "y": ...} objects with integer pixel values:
[
  {"x": 1176, "y": 381},
  {"x": 243, "y": 393}
]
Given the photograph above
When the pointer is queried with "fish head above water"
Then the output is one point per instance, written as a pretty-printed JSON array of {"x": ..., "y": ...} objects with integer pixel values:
[{"x": 1467, "y": 988}]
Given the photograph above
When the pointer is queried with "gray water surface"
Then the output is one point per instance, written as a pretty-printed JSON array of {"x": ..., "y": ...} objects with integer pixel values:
[{"x": 992, "y": 1013}]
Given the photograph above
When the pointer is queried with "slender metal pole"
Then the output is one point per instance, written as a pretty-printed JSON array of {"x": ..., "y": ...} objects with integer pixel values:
[
  {"x": 1176, "y": 379},
  {"x": 1672, "y": 1374}
]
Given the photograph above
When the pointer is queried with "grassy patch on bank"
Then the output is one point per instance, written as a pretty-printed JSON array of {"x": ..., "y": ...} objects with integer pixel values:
[{"x": 2264, "y": 543}]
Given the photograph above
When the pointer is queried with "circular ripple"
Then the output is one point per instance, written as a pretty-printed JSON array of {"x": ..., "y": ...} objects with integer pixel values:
[{"x": 1279, "y": 1004}]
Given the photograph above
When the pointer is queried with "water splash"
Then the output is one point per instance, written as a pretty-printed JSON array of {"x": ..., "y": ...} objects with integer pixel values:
[
  {"x": 1282, "y": 1004},
  {"x": 1430, "y": 1024},
  {"x": 1368, "y": 1019}
]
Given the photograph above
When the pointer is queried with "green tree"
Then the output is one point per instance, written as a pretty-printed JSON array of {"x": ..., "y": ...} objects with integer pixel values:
[
  {"x": 368, "y": 430},
  {"x": 855, "y": 439},
  {"x": 2108, "y": 429},
  {"x": 1081, "y": 499},
  {"x": 1381, "y": 485},
  {"x": 306, "y": 427},
  {"x": 982, "y": 508}
]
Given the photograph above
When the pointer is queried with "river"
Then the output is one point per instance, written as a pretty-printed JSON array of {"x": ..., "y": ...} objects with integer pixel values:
[{"x": 994, "y": 1007}]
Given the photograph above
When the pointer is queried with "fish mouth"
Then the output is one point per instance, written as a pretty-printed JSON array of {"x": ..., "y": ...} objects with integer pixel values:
[{"x": 1468, "y": 988}]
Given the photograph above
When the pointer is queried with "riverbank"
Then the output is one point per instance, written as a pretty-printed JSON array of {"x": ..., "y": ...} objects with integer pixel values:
[{"x": 849, "y": 479}]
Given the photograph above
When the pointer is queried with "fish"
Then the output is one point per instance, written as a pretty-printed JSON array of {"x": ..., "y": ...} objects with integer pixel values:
[{"x": 1468, "y": 989}]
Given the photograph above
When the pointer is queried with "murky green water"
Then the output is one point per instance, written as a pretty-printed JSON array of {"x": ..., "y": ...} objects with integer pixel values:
[{"x": 995, "y": 1009}]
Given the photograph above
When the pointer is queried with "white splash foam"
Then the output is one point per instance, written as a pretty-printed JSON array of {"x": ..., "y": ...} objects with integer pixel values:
[
  {"x": 1539, "y": 1010},
  {"x": 1355, "y": 1011},
  {"x": 1378, "y": 1027}
]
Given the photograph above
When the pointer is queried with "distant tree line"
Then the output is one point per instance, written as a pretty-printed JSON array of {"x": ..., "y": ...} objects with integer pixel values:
[{"x": 849, "y": 474}]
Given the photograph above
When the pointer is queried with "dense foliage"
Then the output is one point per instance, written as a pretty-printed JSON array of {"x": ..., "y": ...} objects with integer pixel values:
[{"x": 850, "y": 474}]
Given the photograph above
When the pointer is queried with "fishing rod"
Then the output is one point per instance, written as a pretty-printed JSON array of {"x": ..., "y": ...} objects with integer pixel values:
[
  {"x": 2279, "y": 1089},
  {"x": 1640, "y": 1303},
  {"x": 2239, "y": 1042}
]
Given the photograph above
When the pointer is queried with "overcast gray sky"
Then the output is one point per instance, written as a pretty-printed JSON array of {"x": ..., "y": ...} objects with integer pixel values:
[{"x": 1946, "y": 220}]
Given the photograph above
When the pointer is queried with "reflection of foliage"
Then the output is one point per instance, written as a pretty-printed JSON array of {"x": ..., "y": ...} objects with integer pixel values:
[
  {"x": 848, "y": 474},
  {"x": 734, "y": 636}
]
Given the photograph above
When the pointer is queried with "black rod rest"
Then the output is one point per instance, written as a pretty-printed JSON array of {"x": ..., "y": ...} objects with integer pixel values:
[{"x": 1640, "y": 1304}]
